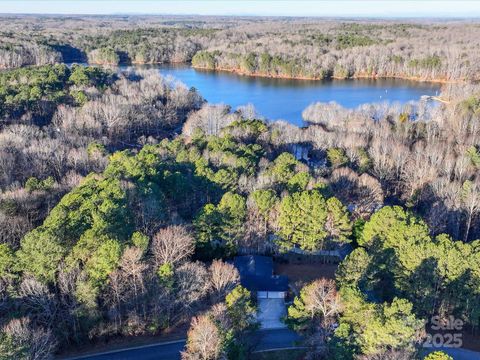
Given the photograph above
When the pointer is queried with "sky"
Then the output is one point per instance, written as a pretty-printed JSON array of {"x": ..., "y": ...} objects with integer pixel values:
[{"x": 323, "y": 8}]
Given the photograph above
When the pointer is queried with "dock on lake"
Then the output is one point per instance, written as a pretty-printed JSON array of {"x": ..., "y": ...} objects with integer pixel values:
[{"x": 436, "y": 98}]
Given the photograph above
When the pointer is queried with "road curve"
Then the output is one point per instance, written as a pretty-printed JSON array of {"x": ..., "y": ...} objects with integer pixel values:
[
  {"x": 458, "y": 354},
  {"x": 266, "y": 340}
]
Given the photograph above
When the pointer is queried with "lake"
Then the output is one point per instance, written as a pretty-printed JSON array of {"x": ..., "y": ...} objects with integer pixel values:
[{"x": 287, "y": 98}]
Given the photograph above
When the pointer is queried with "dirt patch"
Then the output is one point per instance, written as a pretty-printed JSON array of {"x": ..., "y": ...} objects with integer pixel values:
[{"x": 301, "y": 274}]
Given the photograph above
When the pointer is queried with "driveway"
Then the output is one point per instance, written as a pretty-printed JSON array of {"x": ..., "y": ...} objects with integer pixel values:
[
  {"x": 270, "y": 313},
  {"x": 276, "y": 339}
]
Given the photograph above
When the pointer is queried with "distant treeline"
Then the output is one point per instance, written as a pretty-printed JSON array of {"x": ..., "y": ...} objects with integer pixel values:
[{"x": 292, "y": 49}]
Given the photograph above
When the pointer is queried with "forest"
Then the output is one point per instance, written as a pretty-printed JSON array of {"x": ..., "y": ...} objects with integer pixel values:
[
  {"x": 289, "y": 48},
  {"x": 124, "y": 195}
]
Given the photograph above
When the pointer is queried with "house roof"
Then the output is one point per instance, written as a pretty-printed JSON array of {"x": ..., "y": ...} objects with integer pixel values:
[
  {"x": 254, "y": 265},
  {"x": 256, "y": 274}
]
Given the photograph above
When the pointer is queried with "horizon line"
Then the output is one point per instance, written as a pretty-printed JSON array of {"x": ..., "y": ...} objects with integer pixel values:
[{"x": 348, "y": 16}]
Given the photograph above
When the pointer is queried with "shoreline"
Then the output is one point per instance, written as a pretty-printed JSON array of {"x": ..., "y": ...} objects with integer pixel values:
[
  {"x": 271, "y": 76},
  {"x": 354, "y": 77},
  {"x": 138, "y": 63}
]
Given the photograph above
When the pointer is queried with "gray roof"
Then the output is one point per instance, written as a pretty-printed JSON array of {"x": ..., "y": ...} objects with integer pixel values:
[{"x": 256, "y": 274}]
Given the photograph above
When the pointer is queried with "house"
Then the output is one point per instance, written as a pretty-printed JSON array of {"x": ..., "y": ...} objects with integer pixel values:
[{"x": 256, "y": 274}]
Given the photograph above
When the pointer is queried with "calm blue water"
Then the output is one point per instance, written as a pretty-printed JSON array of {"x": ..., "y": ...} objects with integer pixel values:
[{"x": 286, "y": 99}]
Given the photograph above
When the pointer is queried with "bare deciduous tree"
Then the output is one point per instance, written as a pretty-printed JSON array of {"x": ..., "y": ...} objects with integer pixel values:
[
  {"x": 172, "y": 245},
  {"x": 322, "y": 298},
  {"x": 191, "y": 285},
  {"x": 210, "y": 119},
  {"x": 204, "y": 341},
  {"x": 132, "y": 272},
  {"x": 28, "y": 342},
  {"x": 38, "y": 301},
  {"x": 223, "y": 278}
]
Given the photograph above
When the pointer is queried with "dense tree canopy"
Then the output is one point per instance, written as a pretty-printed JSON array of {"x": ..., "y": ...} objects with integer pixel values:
[
  {"x": 369, "y": 328},
  {"x": 312, "y": 223},
  {"x": 112, "y": 222},
  {"x": 37, "y": 89},
  {"x": 399, "y": 258}
]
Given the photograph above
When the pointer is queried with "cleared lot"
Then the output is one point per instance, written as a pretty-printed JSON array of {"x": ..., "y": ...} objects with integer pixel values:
[{"x": 301, "y": 274}]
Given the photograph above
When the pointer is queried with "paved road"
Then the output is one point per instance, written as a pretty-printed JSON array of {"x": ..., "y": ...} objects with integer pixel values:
[
  {"x": 266, "y": 340},
  {"x": 459, "y": 354}
]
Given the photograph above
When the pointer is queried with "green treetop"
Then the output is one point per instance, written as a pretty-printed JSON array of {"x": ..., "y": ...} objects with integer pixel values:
[
  {"x": 240, "y": 308},
  {"x": 307, "y": 220},
  {"x": 284, "y": 167},
  {"x": 438, "y": 355},
  {"x": 264, "y": 201},
  {"x": 338, "y": 223},
  {"x": 369, "y": 328},
  {"x": 40, "y": 254},
  {"x": 7, "y": 261}
]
